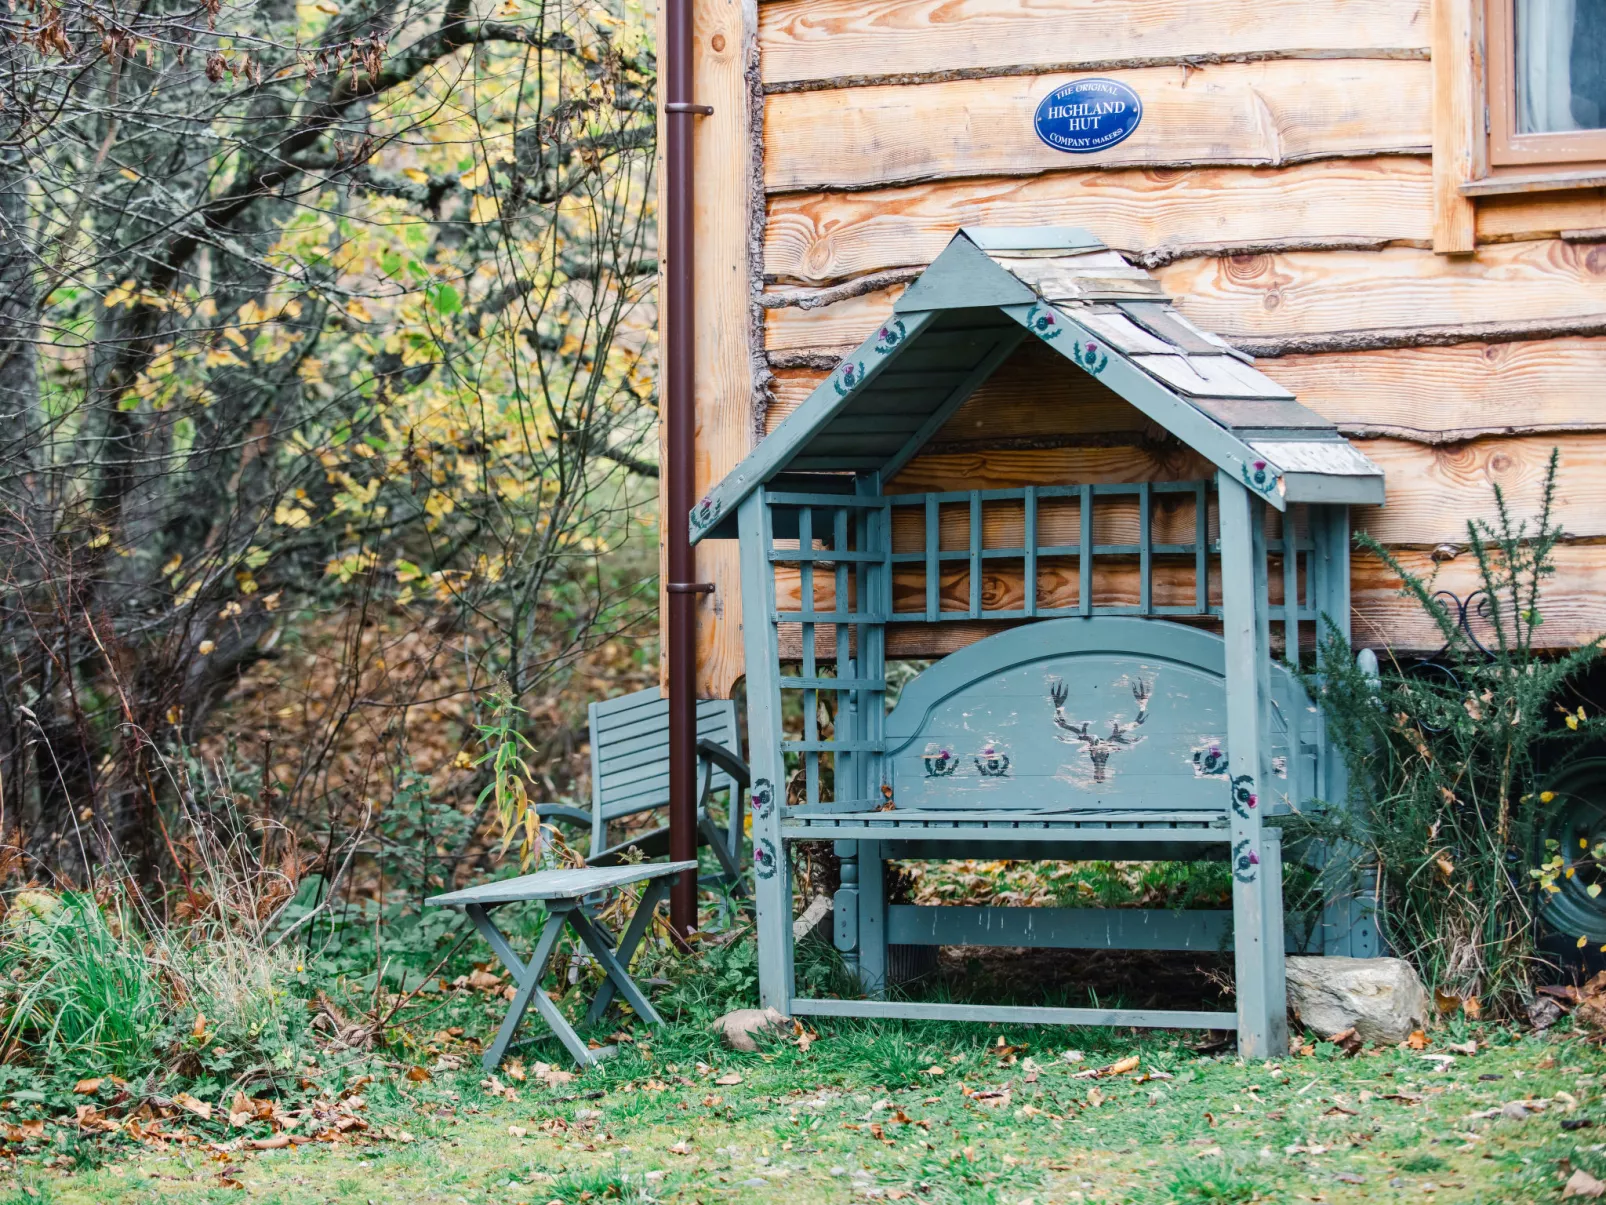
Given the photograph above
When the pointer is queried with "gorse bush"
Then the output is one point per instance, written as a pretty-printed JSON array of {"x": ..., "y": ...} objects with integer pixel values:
[{"x": 1448, "y": 764}]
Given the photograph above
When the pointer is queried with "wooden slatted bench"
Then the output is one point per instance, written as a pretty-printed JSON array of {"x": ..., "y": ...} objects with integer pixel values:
[
  {"x": 630, "y": 777},
  {"x": 567, "y": 895}
]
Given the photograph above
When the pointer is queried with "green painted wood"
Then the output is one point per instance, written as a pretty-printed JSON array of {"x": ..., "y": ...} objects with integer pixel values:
[
  {"x": 1085, "y": 553},
  {"x": 1029, "y": 507},
  {"x": 962, "y": 276},
  {"x": 827, "y": 400},
  {"x": 1061, "y": 928},
  {"x": 556, "y": 885},
  {"x": 1104, "y": 713},
  {"x": 1156, "y": 1018},
  {"x": 872, "y": 919},
  {"x": 1248, "y": 764},
  {"x": 761, "y": 647},
  {"x": 981, "y": 844},
  {"x": 1229, "y": 453}
]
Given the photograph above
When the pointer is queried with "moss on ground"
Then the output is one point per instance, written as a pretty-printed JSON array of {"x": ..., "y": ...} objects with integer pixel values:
[{"x": 934, "y": 1113}]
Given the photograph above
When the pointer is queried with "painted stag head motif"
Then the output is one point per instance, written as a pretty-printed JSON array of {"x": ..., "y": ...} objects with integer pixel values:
[{"x": 1099, "y": 748}]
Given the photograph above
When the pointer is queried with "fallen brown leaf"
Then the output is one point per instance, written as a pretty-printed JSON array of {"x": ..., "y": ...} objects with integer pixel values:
[
  {"x": 190, "y": 1104},
  {"x": 276, "y": 1143},
  {"x": 87, "y": 1087},
  {"x": 419, "y": 1075},
  {"x": 1417, "y": 1041},
  {"x": 729, "y": 1080},
  {"x": 1582, "y": 1184}
]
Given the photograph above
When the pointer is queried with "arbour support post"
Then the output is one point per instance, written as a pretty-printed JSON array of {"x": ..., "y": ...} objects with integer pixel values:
[
  {"x": 1257, "y": 910},
  {"x": 772, "y": 879},
  {"x": 1349, "y": 914}
]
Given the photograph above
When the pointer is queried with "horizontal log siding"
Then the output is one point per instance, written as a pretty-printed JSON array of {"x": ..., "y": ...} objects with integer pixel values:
[
  {"x": 1265, "y": 113},
  {"x": 1272, "y": 196},
  {"x": 810, "y": 43}
]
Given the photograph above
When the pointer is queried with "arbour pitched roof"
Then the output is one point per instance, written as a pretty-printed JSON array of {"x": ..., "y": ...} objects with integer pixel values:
[{"x": 993, "y": 287}]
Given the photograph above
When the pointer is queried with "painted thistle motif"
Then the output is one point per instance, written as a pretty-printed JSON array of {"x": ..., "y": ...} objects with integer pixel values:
[
  {"x": 940, "y": 762},
  {"x": 1042, "y": 322},
  {"x": 991, "y": 762},
  {"x": 890, "y": 335},
  {"x": 1244, "y": 798},
  {"x": 1244, "y": 861},
  {"x": 848, "y": 378},
  {"x": 764, "y": 862},
  {"x": 1258, "y": 476},
  {"x": 763, "y": 797},
  {"x": 706, "y": 512},
  {"x": 1210, "y": 760},
  {"x": 1091, "y": 357},
  {"x": 1099, "y": 748}
]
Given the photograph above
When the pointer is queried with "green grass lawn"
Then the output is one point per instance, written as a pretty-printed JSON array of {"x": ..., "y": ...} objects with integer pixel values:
[{"x": 925, "y": 1112}]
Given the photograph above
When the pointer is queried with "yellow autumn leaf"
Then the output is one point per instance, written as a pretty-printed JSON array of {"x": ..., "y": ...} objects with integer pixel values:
[
  {"x": 416, "y": 176},
  {"x": 330, "y": 9},
  {"x": 358, "y": 310},
  {"x": 205, "y": 648},
  {"x": 219, "y": 357},
  {"x": 1572, "y": 722},
  {"x": 485, "y": 209},
  {"x": 128, "y": 175},
  {"x": 172, "y": 565},
  {"x": 1547, "y": 796},
  {"x": 1582, "y": 942},
  {"x": 288, "y": 514},
  {"x": 475, "y": 178}
]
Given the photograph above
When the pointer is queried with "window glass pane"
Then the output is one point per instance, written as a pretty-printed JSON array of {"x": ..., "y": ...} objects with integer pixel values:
[{"x": 1561, "y": 65}]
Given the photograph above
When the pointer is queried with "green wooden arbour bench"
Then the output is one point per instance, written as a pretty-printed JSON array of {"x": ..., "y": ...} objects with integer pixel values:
[{"x": 1127, "y": 716}]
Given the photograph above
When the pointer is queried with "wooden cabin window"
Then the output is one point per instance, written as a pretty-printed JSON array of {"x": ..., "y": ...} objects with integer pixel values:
[{"x": 1547, "y": 85}]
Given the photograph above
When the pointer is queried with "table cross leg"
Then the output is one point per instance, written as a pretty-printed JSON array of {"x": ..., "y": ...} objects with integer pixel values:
[
  {"x": 528, "y": 977},
  {"x": 621, "y": 978},
  {"x": 651, "y": 895}
]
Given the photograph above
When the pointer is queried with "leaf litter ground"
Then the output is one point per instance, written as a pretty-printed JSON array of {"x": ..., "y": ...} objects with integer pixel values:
[{"x": 930, "y": 1113}]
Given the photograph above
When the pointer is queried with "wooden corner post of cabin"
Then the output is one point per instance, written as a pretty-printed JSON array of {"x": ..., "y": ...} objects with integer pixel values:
[{"x": 1254, "y": 863}]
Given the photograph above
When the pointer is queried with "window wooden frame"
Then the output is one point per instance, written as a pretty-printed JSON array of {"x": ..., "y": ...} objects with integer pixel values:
[{"x": 1508, "y": 152}]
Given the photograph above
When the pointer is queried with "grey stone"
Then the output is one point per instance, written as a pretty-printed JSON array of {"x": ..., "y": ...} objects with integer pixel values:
[
  {"x": 741, "y": 1028},
  {"x": 1381, "y": 998}
]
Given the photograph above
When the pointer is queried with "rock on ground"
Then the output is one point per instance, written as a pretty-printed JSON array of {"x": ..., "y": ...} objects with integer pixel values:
[
  {"x": 741, "y": 1028},
  {"x": 1380, "y": 997}
]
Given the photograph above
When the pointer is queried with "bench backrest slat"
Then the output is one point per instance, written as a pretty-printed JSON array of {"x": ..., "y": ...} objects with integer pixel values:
[{"x": 630, "y": 749}]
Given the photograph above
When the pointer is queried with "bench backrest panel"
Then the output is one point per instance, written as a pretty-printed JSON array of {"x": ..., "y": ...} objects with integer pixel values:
[
  {"x": 630, "y": 749},
  {"x": 1076, "y": 713}
]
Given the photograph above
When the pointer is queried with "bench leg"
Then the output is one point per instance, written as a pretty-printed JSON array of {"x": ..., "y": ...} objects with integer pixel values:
[
  {"x": 717, "y": 842},
  {"x": 1275, "y": 943},
  {"x": 528, "y": 977},
  {"x": 626, "y": 986},
  {"x": 651, "y": 896},
  {"x": 872, "y": 919}
]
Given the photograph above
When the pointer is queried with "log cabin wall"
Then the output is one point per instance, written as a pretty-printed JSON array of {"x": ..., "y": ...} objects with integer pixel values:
[{"x": 1294, "y": 172}]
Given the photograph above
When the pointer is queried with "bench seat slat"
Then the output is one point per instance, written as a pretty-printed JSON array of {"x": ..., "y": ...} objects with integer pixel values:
[{"x": 558, "y": 884}]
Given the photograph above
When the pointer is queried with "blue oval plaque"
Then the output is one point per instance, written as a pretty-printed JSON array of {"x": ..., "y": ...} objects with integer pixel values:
[{"x": 1088, "y": 115}]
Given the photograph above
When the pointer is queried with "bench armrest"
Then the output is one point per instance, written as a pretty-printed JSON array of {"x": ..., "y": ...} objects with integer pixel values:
[{"x": 726, "y": 761}]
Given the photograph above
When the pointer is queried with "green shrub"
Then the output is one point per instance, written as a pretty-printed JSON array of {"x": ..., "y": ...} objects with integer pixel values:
[
  {"x": 77, "y": 988},
  {"x": 1447, "y": 769}
]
